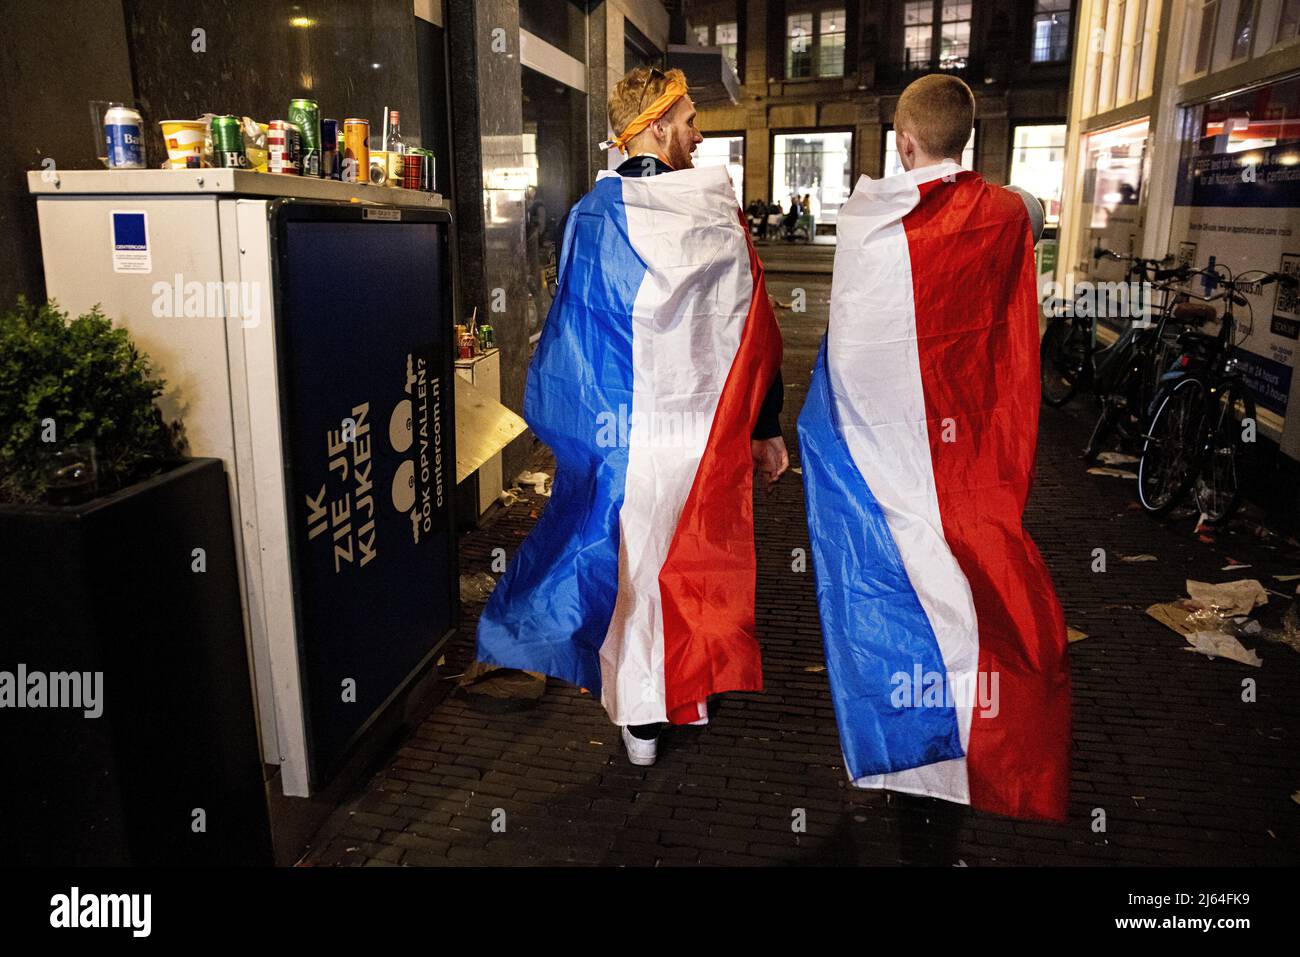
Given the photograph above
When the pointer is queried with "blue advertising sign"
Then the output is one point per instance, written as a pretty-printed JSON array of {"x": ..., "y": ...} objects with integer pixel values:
[{"x": 364, "y": 334}]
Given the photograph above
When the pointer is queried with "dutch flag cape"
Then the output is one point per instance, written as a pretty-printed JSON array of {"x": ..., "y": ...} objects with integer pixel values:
[
  {"x": 638, "y": 581},
  {"x": 945, "y": 642}
]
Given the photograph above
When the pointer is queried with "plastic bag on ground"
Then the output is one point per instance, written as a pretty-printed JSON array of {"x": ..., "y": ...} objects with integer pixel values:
[{"x": 476, "y": 588}]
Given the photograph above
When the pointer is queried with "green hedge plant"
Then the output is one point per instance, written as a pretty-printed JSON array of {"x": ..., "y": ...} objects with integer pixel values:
[{"x": 87, "y": 379}]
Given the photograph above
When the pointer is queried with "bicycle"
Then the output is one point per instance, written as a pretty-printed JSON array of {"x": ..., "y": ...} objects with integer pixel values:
[
  {"x": 1125, "y": 374},
  {"x": 1069, "y": 359},
  {"x": 1130, "y": 376},
  {"x": 1203, "y": 425}
]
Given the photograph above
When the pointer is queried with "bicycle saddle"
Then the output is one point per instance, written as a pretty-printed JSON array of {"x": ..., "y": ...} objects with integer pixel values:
[{"x": 1196, "y": 312}]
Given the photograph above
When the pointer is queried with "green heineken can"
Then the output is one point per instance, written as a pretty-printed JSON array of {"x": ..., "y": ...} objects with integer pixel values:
[
  {"x": 306, "y": 114},
  {"x": 228, "y": 143}
]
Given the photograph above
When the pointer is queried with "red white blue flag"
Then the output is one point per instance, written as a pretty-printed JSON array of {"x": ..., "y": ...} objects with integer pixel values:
[
  {"x": 945, "y": 642},
  {"x": 638, "y": 580}
]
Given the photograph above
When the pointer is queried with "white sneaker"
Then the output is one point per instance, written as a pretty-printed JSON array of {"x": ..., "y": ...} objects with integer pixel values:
[{"x": 639, "y": 751}]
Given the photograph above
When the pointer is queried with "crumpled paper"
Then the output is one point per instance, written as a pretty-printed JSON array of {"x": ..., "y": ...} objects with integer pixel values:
[
  {"x": 1239, "y": 597},
  {"x": 1218, "y": 644}
]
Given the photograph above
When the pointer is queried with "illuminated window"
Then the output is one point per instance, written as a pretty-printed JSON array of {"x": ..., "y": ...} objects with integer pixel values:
[
  {"x": 954, "y": 40},
  {"x": 814, "y": 43},
  {"x": 1051, "y": 30},
  {"x": 726, "y": 36},
  {"x": 893, "y": 164},
  {"x": 812, "y": 164},
  {"x": 798, "y": 45},
  {"x": 918, "y": 30},
  {"x": 1038, "y": 165},
  {"x": 941, "y": 26},
  {"x": 727, "y": 151},
  {"x": 830, "y": 43}
]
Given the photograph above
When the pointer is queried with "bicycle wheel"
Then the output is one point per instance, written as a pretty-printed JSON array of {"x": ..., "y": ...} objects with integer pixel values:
[
  {"x": 1227, "y": 460},
  {"x": 1170, "y": 452},
  {"x": 1061, "y": 358}
]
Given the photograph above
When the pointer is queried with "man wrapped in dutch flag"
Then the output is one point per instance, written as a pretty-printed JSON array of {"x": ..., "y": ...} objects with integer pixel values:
[
  {"x": 656, "y": 384},
  {"x": 945, "y": 642}
]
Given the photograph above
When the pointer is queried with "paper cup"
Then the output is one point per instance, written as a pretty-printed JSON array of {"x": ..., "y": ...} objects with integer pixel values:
[{"x": 184, "y": 138}]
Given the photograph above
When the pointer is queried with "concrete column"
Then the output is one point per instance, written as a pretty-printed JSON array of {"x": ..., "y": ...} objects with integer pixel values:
[{"x": 758, "y": 159}]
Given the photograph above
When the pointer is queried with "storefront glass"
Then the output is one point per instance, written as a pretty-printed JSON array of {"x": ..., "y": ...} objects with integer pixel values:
[
  {"x": 1237, "y": 204},
  {"x": 1114, "y": 175},
  {"x": 813, "y": 163},
  {"x": 728, "y": 151},
  {"x": 556, "y": 159},
  {"x": 1038, "y": 165}
]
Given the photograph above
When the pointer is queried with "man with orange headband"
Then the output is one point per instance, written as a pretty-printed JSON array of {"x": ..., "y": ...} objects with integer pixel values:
[{"x": 657, "y": 384}]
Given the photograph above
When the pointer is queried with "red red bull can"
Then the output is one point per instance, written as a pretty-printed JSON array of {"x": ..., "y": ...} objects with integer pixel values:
[{"x": 412, "y": 170}]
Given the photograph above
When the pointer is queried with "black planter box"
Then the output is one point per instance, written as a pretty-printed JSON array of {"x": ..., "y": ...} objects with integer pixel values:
[{"x": 109, "y": 587}]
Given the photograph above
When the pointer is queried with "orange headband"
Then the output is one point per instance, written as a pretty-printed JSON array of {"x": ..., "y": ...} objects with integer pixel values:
[{"x": 673, "y": 92}]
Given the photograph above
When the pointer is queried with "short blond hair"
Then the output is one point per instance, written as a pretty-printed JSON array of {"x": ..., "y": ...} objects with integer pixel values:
[
  {"x": 939, "y": 111},
  {"x": 635, "y": 92}
]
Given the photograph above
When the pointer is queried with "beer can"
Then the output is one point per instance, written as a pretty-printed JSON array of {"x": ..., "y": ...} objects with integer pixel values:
[
  {"x": 356, "y": 150},
  {"x": 412, "y": 170},
  {"x": 305, "y": 114},
  {"x": 329, "y": 146},
  {"x": 228, "y": 143},
  {"x": 284, "y": 147},
  {"x": 124, "y": 137}
]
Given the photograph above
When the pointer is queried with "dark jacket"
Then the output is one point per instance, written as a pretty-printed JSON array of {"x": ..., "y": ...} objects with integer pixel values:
[{"x": 768, "y": 425}]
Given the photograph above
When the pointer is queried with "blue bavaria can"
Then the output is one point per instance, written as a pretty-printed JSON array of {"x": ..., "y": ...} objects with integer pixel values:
[{"x": 124, "y": 136}]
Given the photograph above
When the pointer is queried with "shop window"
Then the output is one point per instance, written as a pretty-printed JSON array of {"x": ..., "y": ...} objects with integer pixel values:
[
  {"x": 895, "y": 165},
  {"x": 727, "y": 151},
  {"x": 1038, "y": 165},
  {"x": 1051, "y": 30},
  {"x": 1114, "y": 162},
  {"x": 555, "y": 155},
  {"x": 814, "y": 42},
  {"x": 1234, "y": 204},
  {"x": 815, "y": 164}
]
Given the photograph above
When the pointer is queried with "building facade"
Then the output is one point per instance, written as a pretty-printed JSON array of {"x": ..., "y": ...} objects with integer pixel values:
[{"x": 820, "y": 80}]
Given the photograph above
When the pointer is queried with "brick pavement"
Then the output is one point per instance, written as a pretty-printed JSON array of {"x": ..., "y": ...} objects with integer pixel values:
[{"x": 1184, "y": 771}]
